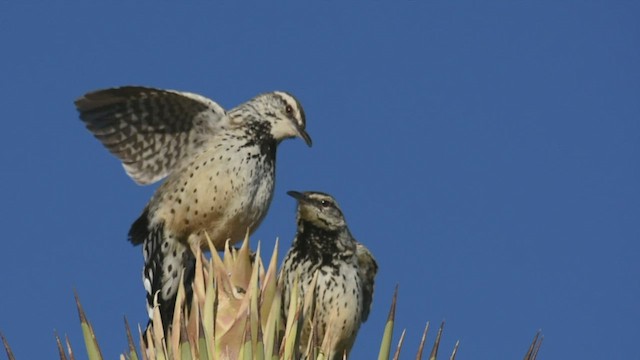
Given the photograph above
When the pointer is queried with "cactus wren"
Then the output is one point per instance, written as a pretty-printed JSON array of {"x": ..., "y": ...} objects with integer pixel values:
[
  {"x": 346, "y": 271},
  {"x": 220, "y": 169}
]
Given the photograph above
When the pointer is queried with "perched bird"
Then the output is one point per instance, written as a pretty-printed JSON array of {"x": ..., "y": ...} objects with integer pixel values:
[
  {"x": 346, "y": 271},
  {"x": 220, "y": 169}
]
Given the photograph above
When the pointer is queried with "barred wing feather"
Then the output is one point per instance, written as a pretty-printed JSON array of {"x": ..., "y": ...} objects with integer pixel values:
[{"x": 150, "y": 130}]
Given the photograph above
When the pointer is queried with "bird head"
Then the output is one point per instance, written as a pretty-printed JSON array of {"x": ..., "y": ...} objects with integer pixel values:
[
  {"x": 319, "y": 209},
  {"x": 284, "y": 114}
]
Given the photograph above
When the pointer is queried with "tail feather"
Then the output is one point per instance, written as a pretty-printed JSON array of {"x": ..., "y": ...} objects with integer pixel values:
[
  {"x": 165, "y": 260},
  {"x": 139, "y": 230}
]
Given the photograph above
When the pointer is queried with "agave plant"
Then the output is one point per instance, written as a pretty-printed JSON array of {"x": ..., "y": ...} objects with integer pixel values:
[{"x": 235, "y": 313}]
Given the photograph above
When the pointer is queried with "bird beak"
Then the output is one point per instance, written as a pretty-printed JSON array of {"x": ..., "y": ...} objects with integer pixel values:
[
  {"x": 297, "y": 195},
  {"x": 304, "y": 136}
]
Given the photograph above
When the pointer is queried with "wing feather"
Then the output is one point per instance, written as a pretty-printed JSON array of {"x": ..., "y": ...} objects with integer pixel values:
[
  {"x": 368, "y": 268},
  {"x": 150, "y": 130}
]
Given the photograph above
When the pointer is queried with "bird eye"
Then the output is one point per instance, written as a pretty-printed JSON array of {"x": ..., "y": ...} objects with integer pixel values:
[
  {"x": 325, "y": 203},
  {"x": 289, "y": 109}
]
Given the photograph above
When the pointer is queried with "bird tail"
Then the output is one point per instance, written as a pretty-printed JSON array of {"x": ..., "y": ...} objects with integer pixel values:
[
  {"x": 139, "y": 230},
  {"x": 166, "y": 261}
]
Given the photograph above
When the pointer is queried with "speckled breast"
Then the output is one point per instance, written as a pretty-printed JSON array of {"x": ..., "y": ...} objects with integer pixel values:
[{"x": 222, "y": 194}]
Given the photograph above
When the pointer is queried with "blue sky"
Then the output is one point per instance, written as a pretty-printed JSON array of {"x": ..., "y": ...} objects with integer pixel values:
[{"x": 487, "y": 155}]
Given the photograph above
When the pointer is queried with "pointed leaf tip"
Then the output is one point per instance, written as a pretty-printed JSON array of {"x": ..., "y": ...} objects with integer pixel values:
[
  {"x": 7, "y": 347},
  {"x": 81, "y": 314},
  {"x": 532, "y": 352},
  {"x": 436, "y": 343},
  {"x": 422, "y": 342},
  {"x": 132, "y": 347},
  {"x": 69, "y": 348},
  {"x": 392, "y": 311},
  {"x": 455, "y": 351},
  {"x": 61, "y": 353},
  {"x": 387, "y": 336},
  {"x": 396, "y": 355}
]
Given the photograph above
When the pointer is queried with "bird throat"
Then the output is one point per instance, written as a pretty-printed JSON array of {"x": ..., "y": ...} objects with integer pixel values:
[
  {"x": 258, "y": 134},
  {"x": 317, "y": 244}
]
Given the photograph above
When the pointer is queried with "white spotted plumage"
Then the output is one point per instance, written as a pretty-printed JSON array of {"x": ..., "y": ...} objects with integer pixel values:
[
  {"x": 219, "y": 168},
  {"x": 345, "y": 272}
]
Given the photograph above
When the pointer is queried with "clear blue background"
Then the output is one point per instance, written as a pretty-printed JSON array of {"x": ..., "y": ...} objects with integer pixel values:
[{"x": 488, "y": 155}]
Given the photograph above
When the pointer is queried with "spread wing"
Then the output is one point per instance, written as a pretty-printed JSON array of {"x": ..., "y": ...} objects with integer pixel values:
[
  {"x": 367, "y": 267},
  {"x": 150, "y": 130}
]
